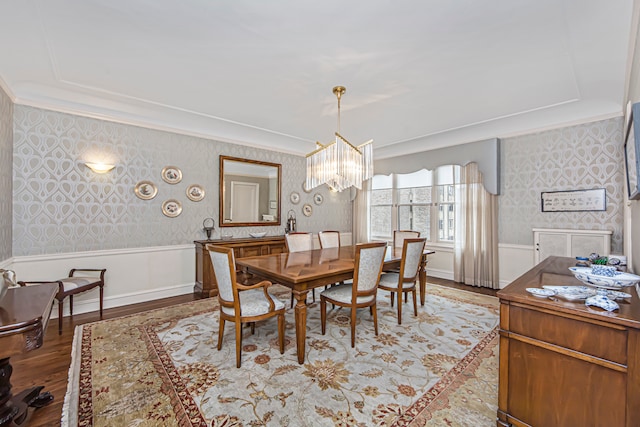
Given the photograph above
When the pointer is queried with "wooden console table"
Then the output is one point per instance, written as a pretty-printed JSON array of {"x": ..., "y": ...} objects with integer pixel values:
[
  {"x": 206, "y": 285},
  {"x": 563, "y": 363},
  {"x": 24, "y": 314}
]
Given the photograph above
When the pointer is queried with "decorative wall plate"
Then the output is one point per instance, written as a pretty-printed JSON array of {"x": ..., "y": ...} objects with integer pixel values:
[
  {"x": 294, "y": 197},
  {"x": 172, "y": 208},
  {"x": 195, "y": 192},
  {"x": 171, "y": 174},
  {"x": 304, "y": 187},
  {"x": 307, "y": 210},
  {"x": 318, "y": 199},
  {"x": 145, "y": 190}
]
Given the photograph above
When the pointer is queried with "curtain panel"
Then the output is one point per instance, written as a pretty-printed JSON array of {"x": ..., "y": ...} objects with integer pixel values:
[{"x": 476, "y": 231}]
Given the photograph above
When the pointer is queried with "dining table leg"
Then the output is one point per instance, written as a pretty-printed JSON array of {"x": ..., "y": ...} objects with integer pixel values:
[
  {"x": 301, "y": 323},
  {"x": 422, "y": 278}
]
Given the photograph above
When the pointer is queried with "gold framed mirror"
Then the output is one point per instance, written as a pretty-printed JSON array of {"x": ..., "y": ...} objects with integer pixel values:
[{"x": 250, "y": 192}]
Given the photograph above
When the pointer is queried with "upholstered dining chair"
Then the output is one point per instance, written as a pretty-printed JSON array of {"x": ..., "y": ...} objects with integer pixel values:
[
  {"x": 74, "y": 284},
  {"x": 241, "y": 303},
  {"x": 297, "y": 242},
  {"x": 329, "y": 239},
  {"x": 362, "y": 292},
  {"x": 405, "y": 281},
  {"x": 400, "y": 235}
]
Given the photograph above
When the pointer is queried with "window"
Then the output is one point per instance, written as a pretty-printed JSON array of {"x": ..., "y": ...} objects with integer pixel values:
[{"x": 421, "y": 201}]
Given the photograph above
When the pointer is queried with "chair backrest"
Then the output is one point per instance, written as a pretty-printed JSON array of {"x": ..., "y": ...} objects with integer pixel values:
[
  {"x": 224, "y": 268},
  {"x": 299, "y": 241},
  {"x": 400, "y": 235},
  {"x": 368, "y": 267},
  {"x": 329, "y": 239},
  {"x": 411, "y": 256}
]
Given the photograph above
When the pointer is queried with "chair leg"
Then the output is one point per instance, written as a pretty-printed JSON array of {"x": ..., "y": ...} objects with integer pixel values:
[
  {"x": 313, "y": 293},
  {"x": 70, "y": 305},
  {"x": 374, "y": 311},
  {"x": 291, "y": 299},
  {"x": 238, "y": 343},
  {"x": 399, "y": 309},
  {"x": 323, "y": 313},
  {"x": 220, "y": 333},
  {"x": 281, "y": 332},
  {"x": 415, "y": 302},
  {"x": 393, "y": 296},
  {"x": 353, "y": 327},
  {"x": 101, "y": 300},
  {"x": 60, "y": 317},
  {"x": 253, "y": 328}
]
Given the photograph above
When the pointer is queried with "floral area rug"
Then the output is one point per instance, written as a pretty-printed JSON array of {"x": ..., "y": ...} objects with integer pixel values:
[{"x": 162, "y": 368}]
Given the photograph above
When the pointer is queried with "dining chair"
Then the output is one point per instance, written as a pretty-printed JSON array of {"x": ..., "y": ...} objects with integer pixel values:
[
  {"x": 75, "y": 284},
  {"x": 299, "y": 241},
  {"x": 405, "y": 281},
  {"x": 362, "y": 292},
  {"x": 241, "y": 303},
  {"x": 329, "y": 239},
  {"x": 400, "y": 235}
]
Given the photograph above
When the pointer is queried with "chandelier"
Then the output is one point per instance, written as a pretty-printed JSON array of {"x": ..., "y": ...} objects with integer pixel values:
[{"x": 339, "y": 164}]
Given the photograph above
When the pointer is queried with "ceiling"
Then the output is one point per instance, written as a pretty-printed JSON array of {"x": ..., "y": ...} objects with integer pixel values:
[{"x": 419, "y": 74}]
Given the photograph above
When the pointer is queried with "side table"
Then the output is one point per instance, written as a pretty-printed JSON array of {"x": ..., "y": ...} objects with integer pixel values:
[{"x": 24, "y": 314}]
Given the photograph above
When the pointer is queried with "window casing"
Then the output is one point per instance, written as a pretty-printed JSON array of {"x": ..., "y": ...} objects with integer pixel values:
[{"x": 422, "y": 201}]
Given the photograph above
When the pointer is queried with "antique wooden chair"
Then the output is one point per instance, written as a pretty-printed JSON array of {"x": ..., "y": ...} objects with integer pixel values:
[
  {"x": 298, "y": 242},
  {"x": 74, "y": 284},
  {"x": 329, "y": 239},
  {"x": 362, "y": 292},
  {"x": 240, "y": 303},
  {"x": 405, "y": 281}
]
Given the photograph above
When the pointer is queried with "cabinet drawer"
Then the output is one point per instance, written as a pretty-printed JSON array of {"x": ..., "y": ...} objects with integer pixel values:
[{"x": 609, "y": 343}]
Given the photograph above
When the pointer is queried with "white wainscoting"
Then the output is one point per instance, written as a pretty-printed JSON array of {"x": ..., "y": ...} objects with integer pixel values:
[
  {"x": 144, "y": 274},
  {"x": 133, "y": 275},
  {"x": 514, "y": 261}
]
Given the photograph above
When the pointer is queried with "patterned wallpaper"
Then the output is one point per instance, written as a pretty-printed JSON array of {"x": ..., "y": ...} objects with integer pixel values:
[
  {"x": 6, "y": 152},
  {"x": 585, "y": 156},
  {"x": 59, "y": 205}
]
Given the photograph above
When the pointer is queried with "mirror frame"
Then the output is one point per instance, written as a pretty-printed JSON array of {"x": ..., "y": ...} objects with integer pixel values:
[{"x": 222, "y": 195}]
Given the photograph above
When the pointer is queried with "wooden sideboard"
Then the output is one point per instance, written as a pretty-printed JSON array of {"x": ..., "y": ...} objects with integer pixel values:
[
  {"x": 563, "y": 363},
  {"x": 206, "y": 285}
]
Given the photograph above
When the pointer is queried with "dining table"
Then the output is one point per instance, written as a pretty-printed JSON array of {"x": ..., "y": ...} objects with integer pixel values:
[{"x": 306, "y": 270}]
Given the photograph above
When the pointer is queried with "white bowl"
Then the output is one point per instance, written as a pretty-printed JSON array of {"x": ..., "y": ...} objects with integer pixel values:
[
  {"x": 620, "y": 280},
  {"x": 226, "y": 236},
  {"x": 261, "y": 234}
]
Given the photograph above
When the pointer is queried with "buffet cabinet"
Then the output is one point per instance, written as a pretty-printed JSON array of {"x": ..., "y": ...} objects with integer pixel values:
[
  {"x": 206, "y": 285},
  {"x": 563, "y": 363}
]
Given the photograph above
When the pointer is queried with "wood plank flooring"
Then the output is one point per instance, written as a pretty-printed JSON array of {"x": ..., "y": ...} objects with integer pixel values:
[{"x": 49, "y": 365}]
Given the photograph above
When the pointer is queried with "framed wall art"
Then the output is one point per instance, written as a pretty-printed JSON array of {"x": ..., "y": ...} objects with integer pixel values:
[
  {"x": 195, "y": 192},
  {"x": 574, "y": 200},
  {"x": 172, "y": 208},
  {"x": 145, "y": 190},
  {"x": 631, "y": 152}
]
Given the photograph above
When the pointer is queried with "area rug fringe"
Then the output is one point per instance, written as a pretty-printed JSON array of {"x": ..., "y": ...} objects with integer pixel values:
[{"x": 69, "y": 418}]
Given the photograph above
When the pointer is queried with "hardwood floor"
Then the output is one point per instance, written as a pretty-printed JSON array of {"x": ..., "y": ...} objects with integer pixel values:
[{"x": 49, "y": 365}]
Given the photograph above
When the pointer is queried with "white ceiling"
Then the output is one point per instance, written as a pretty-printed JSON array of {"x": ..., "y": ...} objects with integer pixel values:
[{"x": 419, "y": 74}]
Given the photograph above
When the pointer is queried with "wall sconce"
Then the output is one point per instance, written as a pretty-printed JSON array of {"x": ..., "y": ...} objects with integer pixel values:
[{"x": 99, "y": 167}]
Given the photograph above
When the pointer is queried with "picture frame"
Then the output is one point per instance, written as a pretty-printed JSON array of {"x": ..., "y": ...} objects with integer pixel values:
[
  {"x": 574, "y": 200},
  {"x": 171, "y": 175},
  {"x": 632, "y": 153}
]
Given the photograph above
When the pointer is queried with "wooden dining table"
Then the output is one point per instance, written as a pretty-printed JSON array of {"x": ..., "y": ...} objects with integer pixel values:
[{"x": 306, "y": 270}]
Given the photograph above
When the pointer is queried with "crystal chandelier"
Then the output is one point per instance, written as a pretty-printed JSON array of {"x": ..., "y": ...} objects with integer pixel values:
[{"x": 340, "y": 164}]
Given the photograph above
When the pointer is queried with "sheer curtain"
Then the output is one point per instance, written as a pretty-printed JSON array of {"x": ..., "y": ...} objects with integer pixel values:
[
  {"x": 475, "y": 260},
  {"x": 361, "y": 214}
]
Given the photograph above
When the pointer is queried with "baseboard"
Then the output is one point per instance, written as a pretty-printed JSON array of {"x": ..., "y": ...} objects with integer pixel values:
[
  {"x": 440, "y": 274},
  {"x": 90, "y": 305}
]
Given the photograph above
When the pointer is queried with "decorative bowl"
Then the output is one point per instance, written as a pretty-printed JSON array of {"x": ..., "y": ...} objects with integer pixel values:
[
  {"x": 226, "y": 236},
  {"x": 261, "y": 234},
  {"x": 619, "y": 280}
]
